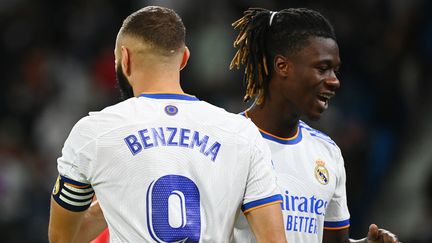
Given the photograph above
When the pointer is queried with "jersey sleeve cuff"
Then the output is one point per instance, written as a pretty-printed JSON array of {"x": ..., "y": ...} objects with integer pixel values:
[
  {"x": 336, "y": 225},
  {"x": 72, "y": 195},
  {"x": 261, "y": 203}
]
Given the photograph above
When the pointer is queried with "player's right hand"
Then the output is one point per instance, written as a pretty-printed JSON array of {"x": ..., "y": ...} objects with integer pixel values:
[{"x": 376, "y": 235}]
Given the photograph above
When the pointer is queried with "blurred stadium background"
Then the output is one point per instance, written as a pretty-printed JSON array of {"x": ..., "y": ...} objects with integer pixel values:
[{"x": 57, "y": 64}]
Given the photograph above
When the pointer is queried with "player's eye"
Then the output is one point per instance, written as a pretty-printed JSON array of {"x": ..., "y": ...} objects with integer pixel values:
[{"x": 322, "y": 70}]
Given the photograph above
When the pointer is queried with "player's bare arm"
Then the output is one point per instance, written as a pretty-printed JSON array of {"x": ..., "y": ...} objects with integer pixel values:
[
  {"x": 375, "y": 235},
  {"x": 93, "y": 223},
  {"x": 63, "y": 224},
  {"x": 267, "y": 223},
  {"x": 70, "y": 226}
]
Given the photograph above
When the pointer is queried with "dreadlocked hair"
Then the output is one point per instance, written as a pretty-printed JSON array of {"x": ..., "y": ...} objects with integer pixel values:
[{"x": 263, "y": 34}]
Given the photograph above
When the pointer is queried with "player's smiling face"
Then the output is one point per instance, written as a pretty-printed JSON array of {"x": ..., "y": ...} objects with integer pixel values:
[{"x": 312, "y": 80}]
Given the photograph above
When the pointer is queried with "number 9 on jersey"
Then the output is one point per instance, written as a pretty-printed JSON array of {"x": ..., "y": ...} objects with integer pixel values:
[{"x": 173, "y": 209}]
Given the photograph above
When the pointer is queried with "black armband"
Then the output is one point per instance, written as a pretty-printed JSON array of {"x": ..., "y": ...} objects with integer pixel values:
[{"x": 72, "y": 195}]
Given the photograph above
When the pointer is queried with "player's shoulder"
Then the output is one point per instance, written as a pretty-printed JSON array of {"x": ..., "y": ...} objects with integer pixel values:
[
  {"x": 316, "y": 134},
  {"x": 97, "y": 122},
  {"x": 226, "y": 119},
  {"x": 230, "y": 122},
  {"x": 120, "y": 109},
  {"x": 85, "y": 128},
  {"x": 113, "y": 113},
  {"x": 320, "y": 138}
]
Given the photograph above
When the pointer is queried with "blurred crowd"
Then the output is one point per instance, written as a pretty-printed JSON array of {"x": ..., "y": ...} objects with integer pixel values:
[{"x": 57, "y": 63}]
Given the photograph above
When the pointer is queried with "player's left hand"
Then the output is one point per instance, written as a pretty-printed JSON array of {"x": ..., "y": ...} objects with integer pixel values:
[{"x": 376, "y": 235}]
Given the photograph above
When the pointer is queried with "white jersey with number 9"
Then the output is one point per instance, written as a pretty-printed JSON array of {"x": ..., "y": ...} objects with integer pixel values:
[{"x": 167, "y": 168}]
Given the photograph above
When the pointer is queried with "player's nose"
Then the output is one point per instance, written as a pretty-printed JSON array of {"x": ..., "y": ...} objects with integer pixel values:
[{"x": 332, "y": 82}]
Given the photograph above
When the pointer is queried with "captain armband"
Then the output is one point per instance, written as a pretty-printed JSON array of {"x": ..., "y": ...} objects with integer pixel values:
[{"x": 72, "y": 195}]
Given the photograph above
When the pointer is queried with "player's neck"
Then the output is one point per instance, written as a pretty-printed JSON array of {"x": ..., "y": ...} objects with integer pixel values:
[
  {"x": 157, "y": 83},
  {"x": 166, "y": 88},
  {"x": 274, "y": 120}
]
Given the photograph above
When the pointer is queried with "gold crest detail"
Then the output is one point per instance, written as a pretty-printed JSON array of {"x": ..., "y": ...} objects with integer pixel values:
[
  {"x": 56, "y": 186},
  {"x": 321, "y": 172}
]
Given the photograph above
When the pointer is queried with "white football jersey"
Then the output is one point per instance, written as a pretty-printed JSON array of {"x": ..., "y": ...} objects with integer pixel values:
[
  {"x": 169, "y": 168},
  {"x": 311, "y": 175}
]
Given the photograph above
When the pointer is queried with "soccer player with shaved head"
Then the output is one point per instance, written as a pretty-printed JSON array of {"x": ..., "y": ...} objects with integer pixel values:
[{"x": 165, "y": 166}]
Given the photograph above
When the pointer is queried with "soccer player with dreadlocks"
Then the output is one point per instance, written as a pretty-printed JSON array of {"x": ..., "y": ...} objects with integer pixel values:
[{"x": 291, "y": 59}]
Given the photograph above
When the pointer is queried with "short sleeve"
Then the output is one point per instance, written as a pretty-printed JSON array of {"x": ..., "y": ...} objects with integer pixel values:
[
  {"x": 73, "y": 190},
  {"x": 337, "y": 214},
  {"x": 261, "y": 188},
  {"x": 78, "y": 151}
]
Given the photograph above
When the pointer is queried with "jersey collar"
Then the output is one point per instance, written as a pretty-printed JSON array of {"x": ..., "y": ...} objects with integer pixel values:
[
  {"x": 291, "y": 140},
  {"x": 169, "y": 96}
]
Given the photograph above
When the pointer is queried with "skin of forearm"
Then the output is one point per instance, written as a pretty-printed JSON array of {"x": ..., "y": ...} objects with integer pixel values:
[{"x": 92, "y": 225}]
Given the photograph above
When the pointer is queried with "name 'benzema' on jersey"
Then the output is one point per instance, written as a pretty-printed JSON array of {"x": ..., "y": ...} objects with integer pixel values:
[{"x": 172, "y": 136}]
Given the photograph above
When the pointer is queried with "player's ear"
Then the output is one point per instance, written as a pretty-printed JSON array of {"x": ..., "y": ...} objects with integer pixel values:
[
  {"x": 282, "y": 65},
  {"x": 186, "y": 55},
  {"x": 125, "y": 61}
]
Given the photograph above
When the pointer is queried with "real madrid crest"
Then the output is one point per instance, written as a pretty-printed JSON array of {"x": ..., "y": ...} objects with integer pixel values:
[{"x": 321, "y": 172}]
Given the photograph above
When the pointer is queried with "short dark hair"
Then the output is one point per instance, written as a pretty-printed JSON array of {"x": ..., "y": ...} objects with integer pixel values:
[
  {"x": 159, "y": 26},
  {"x": 263, "y": 34}
]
